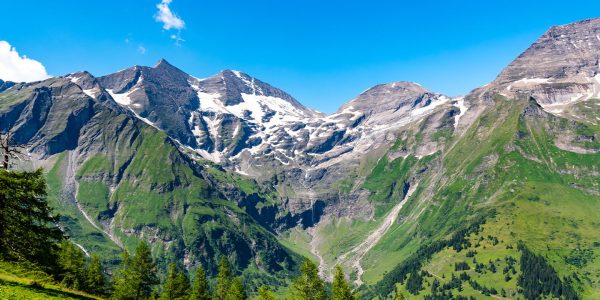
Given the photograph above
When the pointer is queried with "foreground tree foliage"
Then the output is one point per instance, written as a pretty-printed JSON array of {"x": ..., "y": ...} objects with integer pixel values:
[
  {"x": 176, "y": 285},
  {"x": 77, "y": 273},
  {"x": 28, "y": 233},
  {"x": 137, "y": 275},
  {"x": 341, "y": 289},
  {"x": 96, "y": 280},
  {"x": 71, "y": 261},
  {"x": 237, "y": 290},
  {"x": 223, "y": 279},
  {"x": 27, "y": 224},
  {"x": 265, "y": 294},
  {"x": 309, "y": 285},
  {"x": 201, "y": 288}
]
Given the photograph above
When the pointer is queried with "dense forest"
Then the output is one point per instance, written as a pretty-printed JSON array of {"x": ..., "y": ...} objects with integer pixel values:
[{"x": 538, "y": 279}]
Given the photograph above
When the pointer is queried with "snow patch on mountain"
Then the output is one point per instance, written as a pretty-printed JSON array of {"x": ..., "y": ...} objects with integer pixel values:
[
  {"x": 123, "y": 98},
  {"x": 74, "y": 79},
  {"x": 91, "y": 92},
  {"x": 423, "y": 110},
  {"x": 256, "y": 104},
  {"x": 528, "y": 82},
  {"x": 460, "y": 104}
]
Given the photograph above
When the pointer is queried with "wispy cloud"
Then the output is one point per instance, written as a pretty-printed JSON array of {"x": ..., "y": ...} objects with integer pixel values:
[
  {"x": 14, "y": 67},
  {"x": 141, "y": 49},
  {"x": 177, "y": 38},
  {"x": 169, "y": 19}
]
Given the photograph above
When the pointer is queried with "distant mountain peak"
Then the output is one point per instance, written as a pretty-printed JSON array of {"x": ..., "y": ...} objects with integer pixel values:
[
  {"x": 561, "y": 52},
  {"x": 84, "y": 79},
  {"x": 388, "y": 96},
  {"x": 162, "y": 63},
  {"x": 398, "y": 86},
  {"x": 82, "y": 73}
]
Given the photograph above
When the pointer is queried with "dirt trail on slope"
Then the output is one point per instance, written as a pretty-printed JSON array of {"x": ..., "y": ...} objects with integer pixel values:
[
  {"x": 315, "y": 240},
  {"x": 357, "y": 253},
  {"x": 314, "y": 249}
]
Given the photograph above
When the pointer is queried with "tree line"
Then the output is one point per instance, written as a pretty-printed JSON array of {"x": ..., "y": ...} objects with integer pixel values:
[
  {"x": 29, "y": 233},
  {"x": 137, "y": 278},
  {"x": 409, "y": 270}
]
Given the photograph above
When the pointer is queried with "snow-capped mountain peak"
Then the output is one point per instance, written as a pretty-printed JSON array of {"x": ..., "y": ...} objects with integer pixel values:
[{"x": 237, "y": 120}]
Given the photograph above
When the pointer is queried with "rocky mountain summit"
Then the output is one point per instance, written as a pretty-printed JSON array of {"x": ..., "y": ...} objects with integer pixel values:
[
  {"x": 561, "y": 69},
  {"x": 565, "y": 51},
  {"x": 236, "y": 120}
]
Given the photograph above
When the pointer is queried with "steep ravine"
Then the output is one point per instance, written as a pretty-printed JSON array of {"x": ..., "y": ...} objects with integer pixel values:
[
  {"x": 357, "y": 253},
  {"x": 71, "y": 189}
]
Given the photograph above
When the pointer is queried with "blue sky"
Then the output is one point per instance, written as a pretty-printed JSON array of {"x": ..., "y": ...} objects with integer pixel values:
[{"x": 322, "y": 52}]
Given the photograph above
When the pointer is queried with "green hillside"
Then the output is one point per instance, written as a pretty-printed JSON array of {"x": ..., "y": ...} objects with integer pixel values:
[
  {"x": 507, "y": 170},
  {"x": 21, "y": 281}
]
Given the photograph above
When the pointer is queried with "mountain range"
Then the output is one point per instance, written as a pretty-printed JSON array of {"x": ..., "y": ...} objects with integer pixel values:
[{"x": 401, "y": 185}]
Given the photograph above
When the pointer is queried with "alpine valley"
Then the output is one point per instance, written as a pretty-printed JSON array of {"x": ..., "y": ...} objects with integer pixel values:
[{"x": 406, "y": 189}]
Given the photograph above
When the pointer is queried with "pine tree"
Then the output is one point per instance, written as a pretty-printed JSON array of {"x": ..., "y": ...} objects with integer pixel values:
[
  {"x": 223, "y": 280},
  {"x": 27, "y": 230},
  {"x": 265, "y": 294},
  {"x": 176, "y": 285},
  {"x": 122, "y": 287},
  {"x": 96, "y": 282},
  {"x": 71, "y": 262},
  {"x": 414, "y": 284},
  {"x": 341, "y": 289},
  {"x": 201, "y": 289},
  {"x": 144, "y": 270},
  {"x": 137, "y": 275},
  {"x": 308, "y": 286},
  {"x": 237, "y": 291}
]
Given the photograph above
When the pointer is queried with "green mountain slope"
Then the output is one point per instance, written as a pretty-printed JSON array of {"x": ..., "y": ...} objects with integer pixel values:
[
  {"x": 119, "y": 180},
  {"x": 508, "y": 170}
]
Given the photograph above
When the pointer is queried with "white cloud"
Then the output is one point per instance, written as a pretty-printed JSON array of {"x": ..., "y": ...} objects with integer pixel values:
[
  {"x": 14, "y": 67},
  {"x": 141, "y": 49},
  {"x": 167, "y": 17}
]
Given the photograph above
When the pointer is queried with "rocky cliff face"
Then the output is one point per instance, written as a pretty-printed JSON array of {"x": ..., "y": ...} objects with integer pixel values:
[
  {"x": 231, "y": 115},
  {"x": 217, "y": 116},
  {"x": 565, "y": 51},
  {"x": 560, "y": 70},
  {"x": 256, "y": 130}
]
